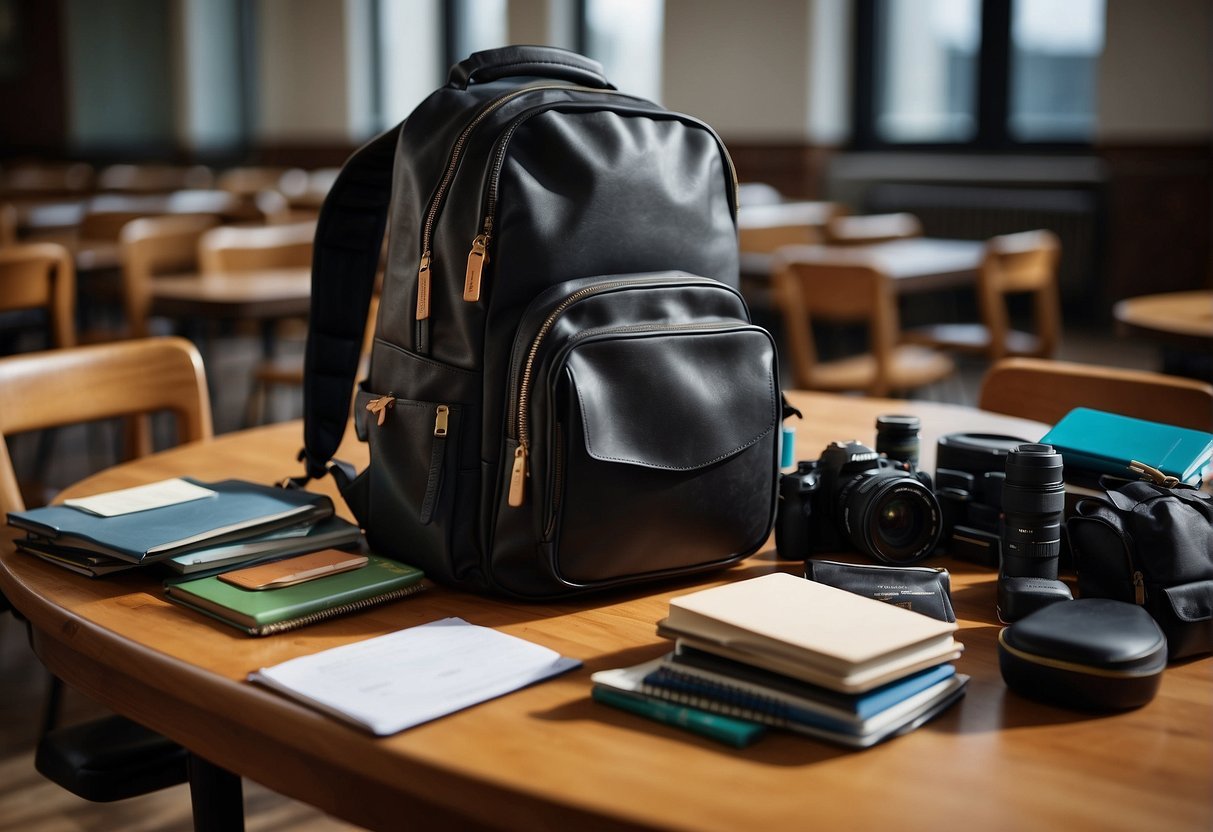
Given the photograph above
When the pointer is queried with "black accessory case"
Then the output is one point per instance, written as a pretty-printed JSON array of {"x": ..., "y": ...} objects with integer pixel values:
[
  {"x": 1092, "y": 654},
  {"x": 922, "y": 589},
  {"x": 1152, "y": 545}
]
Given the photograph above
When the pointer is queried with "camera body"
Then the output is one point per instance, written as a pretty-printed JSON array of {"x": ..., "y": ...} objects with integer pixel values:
[
  {"x": 969, "y": 475},
  {"x": 854, "y": 498}
]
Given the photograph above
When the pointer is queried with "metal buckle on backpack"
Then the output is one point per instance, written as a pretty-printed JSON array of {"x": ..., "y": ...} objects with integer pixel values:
[{"x": 1151, "y": 473}]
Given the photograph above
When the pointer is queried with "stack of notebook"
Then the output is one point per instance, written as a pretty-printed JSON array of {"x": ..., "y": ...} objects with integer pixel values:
[
  {"x": 189, "y": 526},
  {"x": 783, "y": 651}
]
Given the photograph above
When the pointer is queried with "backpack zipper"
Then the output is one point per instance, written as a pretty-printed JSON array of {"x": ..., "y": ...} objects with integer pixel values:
[
  {"x": 452, "y": 166},
  {"x": 478, "y": 256},
  {"x": 519, "y": 473},
  {"x": 433, "y": 484}
]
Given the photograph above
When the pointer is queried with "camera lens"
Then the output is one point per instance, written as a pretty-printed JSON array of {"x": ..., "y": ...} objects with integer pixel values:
[
  {"x": 890, "y": 515},
  {"x": 897, "y": 438},
  {"x": 1033, "y": 498}
]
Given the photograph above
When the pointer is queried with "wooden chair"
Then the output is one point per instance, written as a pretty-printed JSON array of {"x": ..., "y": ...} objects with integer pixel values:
[
  {"x": 1024, "y": 263},
  {"x": 849, "y": 293},
  {"x": 1044, "y": 390},
  {"x": 247, "y": 181},
  {"x": 110, "y": 758},
  {"x": 865, "y": 229},
  {"x": 153, "y": 246},
  {"x": 233, "y": 248},
  {"x": 41, "y": 276},
  {"x": 130, "y": 378},
  {"x": 153, "y": 178}
]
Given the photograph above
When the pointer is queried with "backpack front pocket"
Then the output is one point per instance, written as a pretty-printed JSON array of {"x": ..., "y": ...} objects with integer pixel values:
[{"x": 664, "y": 449}]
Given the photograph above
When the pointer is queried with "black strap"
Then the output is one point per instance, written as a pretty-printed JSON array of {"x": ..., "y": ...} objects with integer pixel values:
[{"x": 344, "y": 260}]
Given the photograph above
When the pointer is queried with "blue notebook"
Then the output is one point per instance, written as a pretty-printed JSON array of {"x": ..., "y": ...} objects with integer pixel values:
[
  {"x": 1105, "y": 443},
  {"x": 237, "y": 509}
]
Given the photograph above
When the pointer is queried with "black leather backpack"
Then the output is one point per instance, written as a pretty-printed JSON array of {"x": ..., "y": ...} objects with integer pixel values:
[{"x": 565, "y": 390}]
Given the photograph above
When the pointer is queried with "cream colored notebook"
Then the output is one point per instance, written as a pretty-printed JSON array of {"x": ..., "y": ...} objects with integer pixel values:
[{"x": 783, "y": 621}]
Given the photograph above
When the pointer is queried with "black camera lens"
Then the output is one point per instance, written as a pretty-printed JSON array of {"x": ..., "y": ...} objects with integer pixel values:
[
  {"x": 1033, "y": 498},
  {"x": 897, "y": 438},
  {"x": 891, "y": 516}
]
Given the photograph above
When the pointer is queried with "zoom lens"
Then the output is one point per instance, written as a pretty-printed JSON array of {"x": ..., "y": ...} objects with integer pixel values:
[
  {"x": 897, "y": 438},
  {"x": 890, "y": 516},
  {"x": 1033, "y": 498}
]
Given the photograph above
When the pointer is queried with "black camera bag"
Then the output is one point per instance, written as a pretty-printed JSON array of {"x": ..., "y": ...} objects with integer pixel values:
[
  {"x": 1151, "y": 545},
  {"x": 555, "y": 404}
]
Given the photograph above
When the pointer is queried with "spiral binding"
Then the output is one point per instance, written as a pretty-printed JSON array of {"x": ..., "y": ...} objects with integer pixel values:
[{"x": 332, "y": 612}]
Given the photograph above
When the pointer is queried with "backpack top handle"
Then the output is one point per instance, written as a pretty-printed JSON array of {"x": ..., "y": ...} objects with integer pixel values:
[{"x": 539, "y": 61}]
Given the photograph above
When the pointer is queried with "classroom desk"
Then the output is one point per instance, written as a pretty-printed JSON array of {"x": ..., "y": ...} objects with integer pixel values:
[
  {"x": 259, "y": 294},
  {"x": 547, "y": 757},
  {"x": 1180, "y": 319}
]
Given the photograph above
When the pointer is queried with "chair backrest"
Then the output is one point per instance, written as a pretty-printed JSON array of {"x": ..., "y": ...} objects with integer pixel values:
[
  {"x": 233, "y": 248},
  {"x": 247, "y": 181},
  {"x": 766, "y": 239},
  {"x": 152, "y": 246},
  {"x": 41, "y": 276},
  {"x": 103, "y": 381},
  {"x": 1021, "y": 263},
  {"x": 1044, "y": 390},
  {"x": 153, "y": 178},
  {"x": 864, "y": 229},
  {"x": 837, "y": 292}
]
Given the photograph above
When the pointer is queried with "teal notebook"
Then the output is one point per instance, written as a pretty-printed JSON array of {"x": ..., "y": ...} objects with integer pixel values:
[
  {"x": 1105, "y": 443},
  {"x": 238, "y": 509},
  {"x": 267, "y": 611}
]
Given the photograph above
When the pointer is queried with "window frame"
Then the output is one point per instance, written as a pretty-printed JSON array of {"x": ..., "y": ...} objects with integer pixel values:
[{"x": 993, "y": 89}]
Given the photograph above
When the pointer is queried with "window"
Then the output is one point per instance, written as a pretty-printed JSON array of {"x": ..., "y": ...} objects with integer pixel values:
[
  {"x": 625, "y": 37},
  {"x": 978, "y": 73}
]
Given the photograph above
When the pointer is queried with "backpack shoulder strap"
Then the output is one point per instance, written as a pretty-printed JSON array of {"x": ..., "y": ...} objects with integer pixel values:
[{"x": 345, "y": 257}]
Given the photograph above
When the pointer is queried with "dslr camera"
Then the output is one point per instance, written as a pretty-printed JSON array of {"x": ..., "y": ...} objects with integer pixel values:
[{"x": 853, "y": 497}]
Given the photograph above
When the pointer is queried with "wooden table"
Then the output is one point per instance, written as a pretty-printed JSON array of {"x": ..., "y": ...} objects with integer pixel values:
[
  {"x": 917, "y": 264},
  {"x": 549, "y": 758},
  {"x": 1181, "y": 319},
  {"x": 260, "y": 294}
]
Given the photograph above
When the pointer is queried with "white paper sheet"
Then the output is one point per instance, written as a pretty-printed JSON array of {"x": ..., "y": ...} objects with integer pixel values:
[
  {"x": 402, "y": 679},
  {"x": 140, "y": 498}
]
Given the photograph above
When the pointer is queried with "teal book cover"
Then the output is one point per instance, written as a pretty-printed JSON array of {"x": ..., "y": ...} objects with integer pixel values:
[
  {"x": 236, "y": 508},
  {"x": 264, "y": 611},
  {"x": 1093, "y": 440}
]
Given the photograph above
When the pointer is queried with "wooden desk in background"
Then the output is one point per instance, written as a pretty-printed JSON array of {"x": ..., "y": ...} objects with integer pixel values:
[
  {"x": 261, "y": 294},
  {"x": 547, "y": 757},
  {"x": 1180, "y": 319}
]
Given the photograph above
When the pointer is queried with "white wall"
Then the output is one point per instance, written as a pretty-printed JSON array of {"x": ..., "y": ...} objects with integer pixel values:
[
  {"x": 304, "y": 72},
  {"x": 765, "y": 70},
  {"x": 209, "y": 113},
  {"x": 1156, "y": 74}
]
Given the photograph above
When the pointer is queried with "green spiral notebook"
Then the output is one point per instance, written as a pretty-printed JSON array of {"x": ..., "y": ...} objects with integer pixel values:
[{"x": 267, "y": 611}]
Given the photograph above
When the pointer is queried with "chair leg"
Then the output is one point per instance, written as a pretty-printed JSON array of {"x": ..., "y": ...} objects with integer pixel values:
[
  {"x": 52, "y": 706},
  {"x": 217, "y": 797}
]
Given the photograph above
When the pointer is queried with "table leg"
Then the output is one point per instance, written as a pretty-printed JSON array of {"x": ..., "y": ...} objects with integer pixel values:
[{"x": 217, "y": 797}]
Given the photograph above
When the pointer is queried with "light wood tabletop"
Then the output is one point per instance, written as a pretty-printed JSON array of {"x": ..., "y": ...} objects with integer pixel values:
[
  {"x": 917, "y": 264},
  {"x": 548, "y": 757},
  {"x": 262, "y": 293},
  {"x": 1184, "y": 319}
]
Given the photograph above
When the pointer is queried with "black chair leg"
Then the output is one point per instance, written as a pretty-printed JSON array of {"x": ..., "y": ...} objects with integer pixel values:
[
  {"x": 217, "y": 797},
  {"x": 52, "y": 706}
]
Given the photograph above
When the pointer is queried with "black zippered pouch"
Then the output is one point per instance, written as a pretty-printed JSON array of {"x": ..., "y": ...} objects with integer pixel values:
[
  {"x": 1151, "y": 545},
  {"x": 921, "y": 589}
]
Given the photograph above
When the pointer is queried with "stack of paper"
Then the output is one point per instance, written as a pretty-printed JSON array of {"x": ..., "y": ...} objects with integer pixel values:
[
  {"x": 796, "y": 654},
  {"x": 193, "y": 524}
]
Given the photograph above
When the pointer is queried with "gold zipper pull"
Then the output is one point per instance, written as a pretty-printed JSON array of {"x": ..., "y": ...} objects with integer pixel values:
[
  {"x": 441, "y": 416},
  {"x": 476, "y": 260},
  {"x": 380, "y": 407},
  {"x": 518, "y": 478},
  {"x": 1152, "y": 474},
  {"x": 1139, "y": 588},
  {"x": 423, "y": 288}
]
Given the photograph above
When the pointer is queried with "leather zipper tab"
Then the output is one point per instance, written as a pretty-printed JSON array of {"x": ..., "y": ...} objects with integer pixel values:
[
  {"x": 441, "y": 417},
  {"x": 423, "y": 288},
  {"x": 518, "y": 478},
  {"x": 1139, "y": 588},
  {"x": 380, "y": 407},
  {"x": 476, "y": 260}
]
